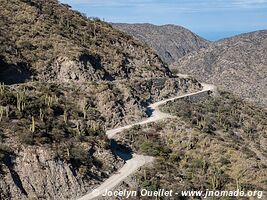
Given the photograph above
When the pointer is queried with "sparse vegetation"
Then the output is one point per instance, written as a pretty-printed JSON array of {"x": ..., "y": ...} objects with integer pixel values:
[
  {"x": 37, "y": 37},
  {"x": 31, "y": 106},
  {"x": 227, "y": 113},
  {"x": 61, "y": 117},
  {"x": 197, "y": 152}
]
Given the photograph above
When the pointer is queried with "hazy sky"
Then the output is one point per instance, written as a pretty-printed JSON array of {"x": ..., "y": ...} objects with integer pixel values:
[{"x": 212, "y": 19}]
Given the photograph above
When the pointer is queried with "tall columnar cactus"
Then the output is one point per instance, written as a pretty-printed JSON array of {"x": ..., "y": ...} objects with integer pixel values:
[
  {"x": 145, "y": 175},
  {"x": 1, "y": 113},
  {"x": 2, "y": 88},
  {"x": 41, "y": 115},
  {"x": 48, "y": 100},
  {"x": 93, "y": 126},
  {"x": 84, "y": 109},
  {"x": 65, "y": 117},
  {"x": 4, "y": 111},
  {"x": 237, "y": 184},
  {"x": 21, "y": 96},
  {"x": 32, "y": 127},
  {"x": 7, "y": 111},
  {"x": 78, "y": 127},
  {"x": 214, "y": 182}
]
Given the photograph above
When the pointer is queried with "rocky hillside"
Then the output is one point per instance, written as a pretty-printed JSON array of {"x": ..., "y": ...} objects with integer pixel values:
[
  {"x": 58, "y": 132},
  {"x": 48, "y": 41},
  {"x": 237, "y": 64},
  {"x": 216, "y": 143},
  {"x": 170, "y": 42},
  {"x": 67, "y": 79}
]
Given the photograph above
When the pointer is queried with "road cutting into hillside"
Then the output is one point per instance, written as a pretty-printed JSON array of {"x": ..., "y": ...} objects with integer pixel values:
[{"x": 137, "y": 161}]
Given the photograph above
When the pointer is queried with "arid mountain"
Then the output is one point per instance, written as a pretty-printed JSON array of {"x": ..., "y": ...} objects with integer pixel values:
[
  {"x": 45, "y": 40},
  {"x": 237, "y": 64},
  {"x": 170, "y": 42},
  {"x": 57, "y": 131},
  {"x": 83, "y": 77}
]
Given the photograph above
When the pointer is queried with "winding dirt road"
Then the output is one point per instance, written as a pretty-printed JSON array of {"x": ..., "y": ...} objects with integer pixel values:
[{"x": 137, "y": 161}]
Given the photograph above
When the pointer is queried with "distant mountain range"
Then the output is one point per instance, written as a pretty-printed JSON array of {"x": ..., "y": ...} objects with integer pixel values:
[
  {"x": 237, "y": 64},
  {"x": 171, "y": 42}
]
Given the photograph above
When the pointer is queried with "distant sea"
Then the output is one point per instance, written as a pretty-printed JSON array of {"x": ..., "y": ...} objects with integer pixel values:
[{"x": 214, "y": 36}]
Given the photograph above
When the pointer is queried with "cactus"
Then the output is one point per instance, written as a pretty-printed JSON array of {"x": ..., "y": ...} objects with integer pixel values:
[
  {"x": 94, "y": 30},
  {"x": 48, "y": 100},
  {"x": 56, "y": 98},
  {"x": 145, "y": 175},
  {"x": 2, "y": 88},
  {"x": 92, "y": 125},
  {"x": 68, "y": 153},
  {"x": 1, "y": 113},
  {"x": 214, "y": 182},
  {"x": 204, "y": 167},
  {"x": 41, "y": 115},
  {"x": 84, "y": 111},
  {"x": 237, "y": 184},
  {"x": 7, "y": 111},
  {"x": 32, "y": 127},
  {"x": 21, "y": 100},
  {"x": 83, "y": 104},
  {"x": 65, "y": 117},
  {"x": 78, "y": 127}
]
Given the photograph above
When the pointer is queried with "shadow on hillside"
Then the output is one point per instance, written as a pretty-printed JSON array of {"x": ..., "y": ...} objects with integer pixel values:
[
  {"x": 123, "y": 152},
  {"x": 149, "y": 111},
  {"x": 8, "y": 161},
  {"x": 13, "y": 74}
]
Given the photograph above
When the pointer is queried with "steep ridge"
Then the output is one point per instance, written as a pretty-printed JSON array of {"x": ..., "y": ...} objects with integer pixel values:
[
  {"x": 48, "y": 41},
  {"x": 170, "y": 42},
  {"x": 237, "y": 64}
]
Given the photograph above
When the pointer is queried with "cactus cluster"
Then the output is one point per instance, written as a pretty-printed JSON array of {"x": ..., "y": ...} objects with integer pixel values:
[
  {"x": 48, "y": 100},
  {"x": 21, "y": 97}
]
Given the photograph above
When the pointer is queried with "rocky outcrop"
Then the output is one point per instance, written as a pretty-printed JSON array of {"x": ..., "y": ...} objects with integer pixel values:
[
  {"x": 126, "y": 101},
  {"x": 170, "y": 42},
  {"x": 36, "y": 173}
]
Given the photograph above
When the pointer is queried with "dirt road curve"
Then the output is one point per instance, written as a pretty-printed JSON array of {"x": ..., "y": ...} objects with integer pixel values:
[{"x": 137, "y": 161}]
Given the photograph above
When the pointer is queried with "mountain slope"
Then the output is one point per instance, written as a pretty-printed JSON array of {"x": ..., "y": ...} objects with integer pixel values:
[
  {"x": 45, "y": 40},
  {"x": 237, "y": 64},
  {"x": 171, "y": 42},
  {"x": 210, "y": 146},
  {"x": 58, "y": 130},
  {"x": 84, "y": 77}
]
